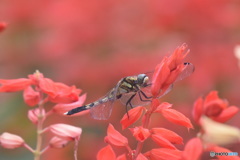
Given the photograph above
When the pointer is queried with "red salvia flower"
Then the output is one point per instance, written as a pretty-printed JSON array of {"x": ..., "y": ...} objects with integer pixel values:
[
  {"x": 61, "y": 108},
  {"x": 164, "y": 154},
  {"x": 132, "y": 116},
  {"x": 162, "y": 106},
  {"x": 168, "y": 134},
  {"x": 161, "y": 141},
  {"x": 30, "y": 96},
  {"x": 140, "y": 133},
  {"x": 13, "y": 85},
  {"x": 114, "y": 137},
  {"x": 59, "y": 92},
  {"x": 193, "y": 149},
  {"x": 176, "y": 117},
  {"x": 106, "y": 153},
  {"x": 168, "y": 70},
  {"x": 213, "y": 107},
  {"x": 65, "y": 131}
]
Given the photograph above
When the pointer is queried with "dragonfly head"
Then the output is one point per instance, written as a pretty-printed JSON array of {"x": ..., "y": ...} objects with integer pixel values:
[{"x": 142, "y": 80}]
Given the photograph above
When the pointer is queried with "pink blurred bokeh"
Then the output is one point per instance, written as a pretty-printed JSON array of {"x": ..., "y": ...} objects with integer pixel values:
[{"x": 92, "y": 44}]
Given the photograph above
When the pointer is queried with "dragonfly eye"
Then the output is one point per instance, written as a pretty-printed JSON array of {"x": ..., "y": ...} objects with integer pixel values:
[{"x": 142, "y": 79}]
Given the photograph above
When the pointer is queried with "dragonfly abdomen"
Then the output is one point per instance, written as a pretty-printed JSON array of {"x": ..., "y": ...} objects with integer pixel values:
[{"x": 88, "y": 106}]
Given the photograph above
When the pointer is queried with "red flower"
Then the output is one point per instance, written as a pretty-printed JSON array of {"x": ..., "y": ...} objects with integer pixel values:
[
  {"x": 163, "y": 142},
  {"x": 173, "y": 115},
  {"x": 168, "y": 134},
  {"x": 114, "y": 137},
  {"x": 65, "y": 131},
  {"x": 164, "y": 154},
  {"x": 106, "y": 153},
  {"x": 193, "y": 149},
  {"x": 61, "y": 108},
  {"x": 3, "y": 25},
  {"x": 13, "y": 85},
  {"x": 214, "y": 108},
  {"x": 140, "y": 133},
  {"x": 59, "y": 92},
  {"x": 168, "y": 70},
  {"x": 11, "y": 141},
  {"x": 141, "y": 157},
  {"x": 133, "y": 115},
  {"x": 30, "y": 96}
]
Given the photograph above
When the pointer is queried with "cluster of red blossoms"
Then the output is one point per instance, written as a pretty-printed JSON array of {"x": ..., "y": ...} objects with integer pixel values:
[
  {"x": 37, "y": 91},
  {"x": 210, "y": 136},
  {"x": 207, "y": 113}
]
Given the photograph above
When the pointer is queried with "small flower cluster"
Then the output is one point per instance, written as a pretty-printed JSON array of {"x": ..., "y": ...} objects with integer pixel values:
[
  {"x": 210, "y": 114},
  {"x": 165, "y": 74},
  {"x": 37, "y": 91}
]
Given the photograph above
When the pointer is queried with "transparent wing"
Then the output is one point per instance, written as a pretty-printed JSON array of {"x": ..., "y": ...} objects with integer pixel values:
[
  {"x": 102, "y": 111},
  {"x": 187, "y": 71}
]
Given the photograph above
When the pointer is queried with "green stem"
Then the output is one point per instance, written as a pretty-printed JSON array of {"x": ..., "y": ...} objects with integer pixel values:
[{"x": 37, "y": 152}]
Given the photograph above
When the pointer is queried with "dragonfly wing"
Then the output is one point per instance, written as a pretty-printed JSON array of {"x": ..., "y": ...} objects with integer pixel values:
[
  {"x": 187, "y": 71},
  {"x": 102, "y": 111},
  {"x": 103, "y": 108}
]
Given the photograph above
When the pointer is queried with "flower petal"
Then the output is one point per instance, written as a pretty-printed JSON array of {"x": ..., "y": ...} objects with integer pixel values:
[
  {"x": 226, "y": 114},
  {"x": 33, "y": 115},
  {"x": 140, "y": 133},
  {"x": 163, "y": 142},
  {"x": 59, "y": 92},
  {"x": 115, "y": 138},
  {"x": 168, "y": 134},
  {"x": 30, "y": 96},
  {"x": 134, "y": 115},
  {"x": 176, "y": 117},
  {"x": 193, "y": 149},
  {"x": 13, "y": 85},
  {"x": 165, "y": 154},
  {"x": 198, "y": 110},
  {"x": 106, "y": 153},
  {"x": 141, "y": 157},
  {"x": 62, "y": 108},
  {"x": 66, "y": 131},
  {"x": 57, "y": 142},
  {"x": 11, "y": 141}
]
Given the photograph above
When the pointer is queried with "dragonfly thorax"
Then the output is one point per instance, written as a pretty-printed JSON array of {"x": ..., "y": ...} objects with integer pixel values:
[{"x": 142, "y": 80}]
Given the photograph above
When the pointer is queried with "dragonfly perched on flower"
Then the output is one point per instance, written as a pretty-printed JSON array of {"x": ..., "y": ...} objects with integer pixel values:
[{"x": 132, "y": 91}]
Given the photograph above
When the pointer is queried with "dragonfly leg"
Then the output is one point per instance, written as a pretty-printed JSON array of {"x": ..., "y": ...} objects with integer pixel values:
[
  {"x": 145, "y": 96},
  {"x": 129, "y": 100}
]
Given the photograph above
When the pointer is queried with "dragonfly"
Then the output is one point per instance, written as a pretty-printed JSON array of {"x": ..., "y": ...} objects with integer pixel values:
[{"x": 132, "y": 91}]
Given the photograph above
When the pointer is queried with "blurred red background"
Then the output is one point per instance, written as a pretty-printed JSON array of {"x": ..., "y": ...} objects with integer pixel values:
[{"x": 92, "y": 44}]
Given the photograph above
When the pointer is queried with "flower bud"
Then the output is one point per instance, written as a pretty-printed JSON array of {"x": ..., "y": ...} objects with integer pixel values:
[
  {"x": 57, "y": 142},
  {"x": 10, "y": 141},
  {"x": 33, "y": 115},
  {"x": 65, "y": 131}
]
